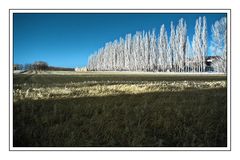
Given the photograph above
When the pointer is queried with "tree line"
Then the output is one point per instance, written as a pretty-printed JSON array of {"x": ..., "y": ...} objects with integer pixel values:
[
  {"x": 144, "y": 51},
  {"x": 40, "y": 66}
]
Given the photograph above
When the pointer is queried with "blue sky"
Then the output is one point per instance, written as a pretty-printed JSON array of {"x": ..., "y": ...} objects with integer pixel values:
[{"x": 66, "y": 40}]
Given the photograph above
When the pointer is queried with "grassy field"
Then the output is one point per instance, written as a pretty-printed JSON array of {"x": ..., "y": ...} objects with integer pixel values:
[{"x": 121, "y": 110}]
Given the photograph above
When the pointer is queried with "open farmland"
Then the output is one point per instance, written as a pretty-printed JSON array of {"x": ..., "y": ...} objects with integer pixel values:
[{"x": 119, "y": 109}]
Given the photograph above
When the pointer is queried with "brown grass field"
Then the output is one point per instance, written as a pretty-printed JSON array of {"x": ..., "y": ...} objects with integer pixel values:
[{"x": 117, "y": 109}]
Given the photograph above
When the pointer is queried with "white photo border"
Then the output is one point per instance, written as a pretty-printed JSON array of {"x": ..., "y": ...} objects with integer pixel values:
[{"x": 12, "y": 11}]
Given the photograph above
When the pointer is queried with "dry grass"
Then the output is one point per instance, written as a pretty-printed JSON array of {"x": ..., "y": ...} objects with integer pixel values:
[
  {"x": 119, "y": 110},
  {"x": 94, "y": 73},
  {"x": 92, "y": 88}
]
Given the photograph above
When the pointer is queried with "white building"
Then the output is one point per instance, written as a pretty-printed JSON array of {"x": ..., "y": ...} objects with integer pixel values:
[{"x": 81, "y": 69}]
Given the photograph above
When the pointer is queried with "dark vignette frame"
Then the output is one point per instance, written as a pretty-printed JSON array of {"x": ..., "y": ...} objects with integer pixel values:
[{"x": 118, "y": 9}]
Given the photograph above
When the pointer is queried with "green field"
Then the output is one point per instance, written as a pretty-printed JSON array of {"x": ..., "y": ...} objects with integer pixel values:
[{"x": 120, "y": 110}]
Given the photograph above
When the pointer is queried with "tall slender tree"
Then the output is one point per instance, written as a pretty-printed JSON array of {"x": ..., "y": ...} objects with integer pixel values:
[
  {"x": 204, "y": 43},
  {"x": 197, "y": 45},
  {"x": 219, "y": 44},
  {"x": 188, "y": 56},
  {"x": 172, "y": 47},
  {"x": 163, "y": 48},
  {"x": 153, "y": 51}
]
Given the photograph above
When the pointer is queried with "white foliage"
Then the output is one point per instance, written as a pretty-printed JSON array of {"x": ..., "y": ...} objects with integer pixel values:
[
  {"x": 144, "y": 51},
  {"x": 204, "y": 42},
  {"x": 218, "y": 44},
  {"x": 172, "y": 47},
  {"x": 163, "y": 49}
]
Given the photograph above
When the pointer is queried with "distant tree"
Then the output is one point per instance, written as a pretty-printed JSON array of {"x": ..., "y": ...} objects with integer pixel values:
[{"x": 40, "y": 65}]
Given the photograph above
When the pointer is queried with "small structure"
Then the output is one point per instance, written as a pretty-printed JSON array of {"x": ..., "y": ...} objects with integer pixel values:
[
  {"x": 81, "y": 69},
  {"x": 210, "y": 60}
]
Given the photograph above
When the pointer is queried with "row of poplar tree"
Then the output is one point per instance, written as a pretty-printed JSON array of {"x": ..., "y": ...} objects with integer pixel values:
[{"x": 144, "y": 51}]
